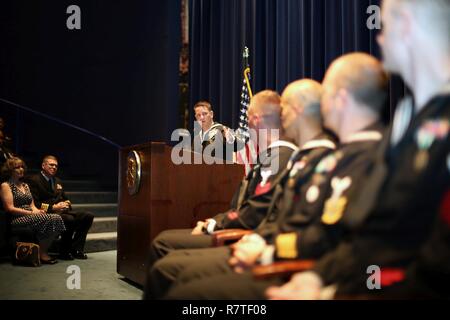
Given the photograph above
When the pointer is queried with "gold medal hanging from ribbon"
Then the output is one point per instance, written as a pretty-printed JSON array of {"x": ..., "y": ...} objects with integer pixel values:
[
  {"x": 334, "y": 210},
  {"x": 421, "y": 160},
  {"x": 429, "y": 132},
  {"x": 336, "y": 204}
]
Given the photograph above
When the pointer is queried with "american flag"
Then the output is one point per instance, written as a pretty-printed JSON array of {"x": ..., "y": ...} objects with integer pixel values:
[{"x": 247, "y": 155}]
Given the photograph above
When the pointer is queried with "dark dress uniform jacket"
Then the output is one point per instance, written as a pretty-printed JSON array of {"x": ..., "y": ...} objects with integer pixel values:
[
  {"x": 299, "y": 172},
  {"x": 407, "y": 191},
  {"x": 43, "y": 195},
  {"x": 253, "y": 199},
  {"x": 305, "y": 233}
]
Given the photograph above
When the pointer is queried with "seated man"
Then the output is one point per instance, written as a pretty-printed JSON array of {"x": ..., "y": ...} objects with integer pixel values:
[
  {"x": 401, "y": 217},
  {"x": 251, "y": 201},
  {"x": 302, "y": 124},
  {"x": 48, "y": 194},
  {"x": 354, "y": 93}
]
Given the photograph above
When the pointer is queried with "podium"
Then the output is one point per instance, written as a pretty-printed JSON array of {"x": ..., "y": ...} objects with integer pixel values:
[{"x": 168, "y": 196}]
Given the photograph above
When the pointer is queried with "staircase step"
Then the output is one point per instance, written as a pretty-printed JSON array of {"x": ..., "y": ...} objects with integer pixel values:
[
  {"x": 104, "y": 224},
  {"x": 92, "y": 197},
  {"x": 98, "y": 209},
  {"x": 104, "y": 241},
  {"x": 81, "y": 185}
]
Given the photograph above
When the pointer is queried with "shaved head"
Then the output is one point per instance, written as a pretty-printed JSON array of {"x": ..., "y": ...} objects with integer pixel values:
[
  {"x": 300, "y": 108},
  {"x": 362, "y": 76},
  {"x": 306, "y": 95}
]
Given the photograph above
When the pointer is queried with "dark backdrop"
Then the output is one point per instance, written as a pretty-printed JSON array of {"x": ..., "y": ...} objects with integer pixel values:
[
  {"x": 116, "y": 77},
  {"x": 288, "y": 40}
]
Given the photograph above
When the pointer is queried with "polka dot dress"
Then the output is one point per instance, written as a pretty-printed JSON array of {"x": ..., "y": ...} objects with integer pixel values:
[{"x": 44, "y": 225}]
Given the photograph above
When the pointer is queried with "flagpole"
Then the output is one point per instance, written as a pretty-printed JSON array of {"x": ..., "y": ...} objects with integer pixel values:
[{"x": 246, "y": 55}]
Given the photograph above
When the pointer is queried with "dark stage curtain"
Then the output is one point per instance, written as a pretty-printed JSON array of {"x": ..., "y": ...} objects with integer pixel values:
[{"x": 288, "y": 40}]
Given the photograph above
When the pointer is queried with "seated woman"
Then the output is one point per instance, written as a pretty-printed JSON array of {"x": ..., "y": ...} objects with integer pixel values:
[{"x": 18, "y": 201}]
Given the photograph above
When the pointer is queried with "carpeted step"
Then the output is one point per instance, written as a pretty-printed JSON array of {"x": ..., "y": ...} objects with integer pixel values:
[
  {"x": 82, "y": 185},
  {"x": 103, "y": 241},
  {"x": 104, "y": 224},
  {"x": 84, "y": 197},
  {"x": 98, "y": 209}
]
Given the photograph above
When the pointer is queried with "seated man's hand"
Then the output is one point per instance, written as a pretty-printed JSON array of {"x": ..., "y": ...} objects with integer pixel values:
[
  {"x": 198, "y": 228},
  {"x": 302, "y": 286},
  {"x": 61, "y": 207},
  {"x": 246, "y": 252}
]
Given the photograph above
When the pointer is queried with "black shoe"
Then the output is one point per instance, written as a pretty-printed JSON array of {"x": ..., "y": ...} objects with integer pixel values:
[
  {"x": 51, "y": 261},
  {"x": 66, "y": 256},
  {"x": 79, "y": 255}
]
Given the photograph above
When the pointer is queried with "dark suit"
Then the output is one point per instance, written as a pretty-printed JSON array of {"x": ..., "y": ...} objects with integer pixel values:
[{"x": 77, "y": 222}]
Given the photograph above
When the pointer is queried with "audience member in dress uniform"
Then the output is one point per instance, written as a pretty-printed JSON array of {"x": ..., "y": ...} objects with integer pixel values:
[
  {"x": 48, "y": 193},
  {"x": 354, "y": 94},
  {"x": 250, "y": 202},
  {"x": 18, "y": 202},
  {"x": 302, "y": 123},
  {"x": 401, "y": 218}
]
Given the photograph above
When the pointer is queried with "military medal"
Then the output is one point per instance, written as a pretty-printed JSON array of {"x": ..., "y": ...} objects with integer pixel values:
[
  {"x": 421, "y": 160},
  {"x": 291, "y": 183},
  {"x": 312, "y": 194},
  {"x": 335, "y": 205},
  {"x": 299, "y": 165},
  {"x": 334, "y": 210},
  {"x": 318, "y": 179},
  {"x": 426, "y": 135},
  {"x": 327, "y": 164}
]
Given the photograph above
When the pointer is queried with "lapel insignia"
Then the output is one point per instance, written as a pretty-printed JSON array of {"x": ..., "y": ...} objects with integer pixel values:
[
  {"x": 335, "y": 205},
  {"x": 429, "y": 132},
  {"x": 291, "y": 183},
  {"x": 264, "y": 185}
]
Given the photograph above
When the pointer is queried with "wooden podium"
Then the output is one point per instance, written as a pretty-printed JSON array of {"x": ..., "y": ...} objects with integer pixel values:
[{"x": 169, "y": 196}]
